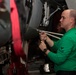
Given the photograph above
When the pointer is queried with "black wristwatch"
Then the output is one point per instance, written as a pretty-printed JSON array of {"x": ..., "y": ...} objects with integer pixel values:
[{"x": 45, "y": 50}]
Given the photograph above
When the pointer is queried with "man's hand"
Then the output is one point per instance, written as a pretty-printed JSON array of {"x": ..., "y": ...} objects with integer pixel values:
[
  {"x": 43, "y": 36},
  {"x": 42, "y": 45}
]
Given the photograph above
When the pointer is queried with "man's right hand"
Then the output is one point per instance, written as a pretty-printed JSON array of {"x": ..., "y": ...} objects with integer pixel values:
[{"x": 43, "y": 36}]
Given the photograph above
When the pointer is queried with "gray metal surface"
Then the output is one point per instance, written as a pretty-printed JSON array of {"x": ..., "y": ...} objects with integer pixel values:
[
  {"x": 33, "y": 68},
  {"x": 38, "y": 73},
  {"x": 71, "y": 4},
  {"x": 7, "y": 4},
  {"x": 34, "y": 20},
  {"x": 5, "y": 28}
]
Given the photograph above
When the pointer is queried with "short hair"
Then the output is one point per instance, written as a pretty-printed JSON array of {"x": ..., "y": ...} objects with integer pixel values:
[{"x": 73, "y": 14}]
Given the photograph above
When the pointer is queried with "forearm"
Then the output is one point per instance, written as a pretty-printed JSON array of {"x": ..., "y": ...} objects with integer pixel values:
[
  {"x": 52, "y": 56},
  {"x": 49, "y": 41},
  {"x": 55, "y": 57}
]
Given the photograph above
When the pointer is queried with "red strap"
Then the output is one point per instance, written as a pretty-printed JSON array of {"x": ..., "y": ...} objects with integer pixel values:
[{"x": 17, "y": 43}]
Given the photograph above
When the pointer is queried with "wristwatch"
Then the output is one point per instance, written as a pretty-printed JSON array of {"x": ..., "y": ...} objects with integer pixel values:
[{"x": 45, "y": 50}]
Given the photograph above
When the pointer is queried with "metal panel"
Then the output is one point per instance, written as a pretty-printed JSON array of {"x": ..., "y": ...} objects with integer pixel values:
[
  {"x": 71, "y": 4},
  {"x": 34, "y": 20}
]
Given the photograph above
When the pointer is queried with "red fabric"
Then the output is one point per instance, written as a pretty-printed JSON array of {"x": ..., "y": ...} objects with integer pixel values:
[
  {"x": 16, "y": 67},
  {"x": 0, "y": 0},
  {"x": 17, "y": 43}
]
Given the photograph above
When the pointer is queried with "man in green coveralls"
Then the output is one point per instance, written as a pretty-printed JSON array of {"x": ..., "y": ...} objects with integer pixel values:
[{"x": 65, "y": 55}]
